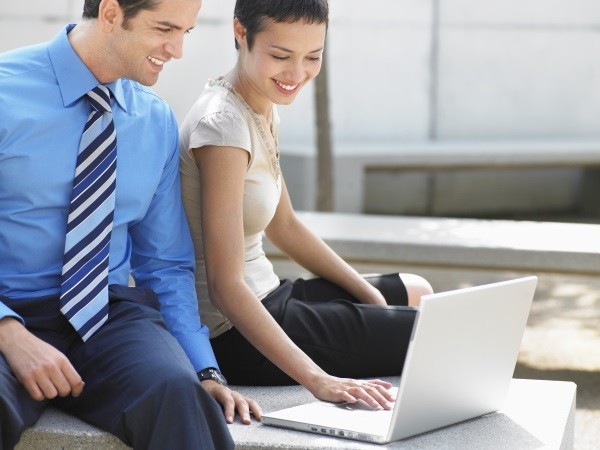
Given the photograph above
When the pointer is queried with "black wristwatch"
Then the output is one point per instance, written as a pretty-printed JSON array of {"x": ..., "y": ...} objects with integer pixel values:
[{"x": 211, "y": 373}]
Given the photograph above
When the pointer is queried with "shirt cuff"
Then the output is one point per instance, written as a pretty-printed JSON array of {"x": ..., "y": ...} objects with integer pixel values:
[
  {"x": 5, "y": 311},
  {"x": 197, "y": 347}
]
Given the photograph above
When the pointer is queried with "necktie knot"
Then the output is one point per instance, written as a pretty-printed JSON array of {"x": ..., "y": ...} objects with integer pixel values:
[{"x": 99, "y": 98}]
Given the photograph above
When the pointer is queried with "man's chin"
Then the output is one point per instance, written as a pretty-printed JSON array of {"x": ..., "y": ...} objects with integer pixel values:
[{"x": 148, "y": 81}]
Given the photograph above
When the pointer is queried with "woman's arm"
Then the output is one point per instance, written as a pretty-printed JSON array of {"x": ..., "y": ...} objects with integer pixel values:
[
  {"x": 288, "y": 233},
  {"x": 222, "y": 171}
]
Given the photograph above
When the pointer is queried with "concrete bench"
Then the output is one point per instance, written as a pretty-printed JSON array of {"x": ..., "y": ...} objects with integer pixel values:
[
  {"x": 537, "y": 414},
  {"x": 384, "y": 243},
  {"x": 452, "y": 177}
]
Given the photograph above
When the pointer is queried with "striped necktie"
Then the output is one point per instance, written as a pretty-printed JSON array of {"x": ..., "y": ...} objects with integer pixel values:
[{"x": 84, "y": 289}]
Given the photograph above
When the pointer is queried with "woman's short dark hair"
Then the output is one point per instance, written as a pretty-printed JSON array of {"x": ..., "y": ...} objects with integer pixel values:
[
  {"x": 252, "y": 14},
  {"x": 130, "y": 8}
]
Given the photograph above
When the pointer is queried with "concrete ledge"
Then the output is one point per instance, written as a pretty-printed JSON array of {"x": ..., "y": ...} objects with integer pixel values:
[
  {"x": 537, "y": 414},
  {"x": 57, "y": 430},
  {"x": 457, "y": 243},
  {"x": 475, "y": 154},
  {"x": 450, "y": 177}
]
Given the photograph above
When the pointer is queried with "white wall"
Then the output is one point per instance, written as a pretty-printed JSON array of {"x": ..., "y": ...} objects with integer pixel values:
[
  {"x": 491, "y": 69},
  {"x": 519, "y": 69},
  {"x": 380, "y": 69}
]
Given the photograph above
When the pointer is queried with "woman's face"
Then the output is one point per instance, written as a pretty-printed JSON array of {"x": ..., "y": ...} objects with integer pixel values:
[{"x": 284, "y": 57}]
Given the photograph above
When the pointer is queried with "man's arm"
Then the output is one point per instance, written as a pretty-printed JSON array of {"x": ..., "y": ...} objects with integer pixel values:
[{"x": 163, "y": 260}]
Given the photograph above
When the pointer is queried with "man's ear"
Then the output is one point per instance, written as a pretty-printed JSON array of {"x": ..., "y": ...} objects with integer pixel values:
[
  {"x": 240, "y": 32},
  {"x": 110, "y": 14}
]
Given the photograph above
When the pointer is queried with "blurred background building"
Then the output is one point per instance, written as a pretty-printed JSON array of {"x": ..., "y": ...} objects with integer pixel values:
[{"x": 406, "y": 77}]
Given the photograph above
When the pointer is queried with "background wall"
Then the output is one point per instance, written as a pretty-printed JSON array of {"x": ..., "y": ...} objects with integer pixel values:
[{"x": 401, "y": 71}]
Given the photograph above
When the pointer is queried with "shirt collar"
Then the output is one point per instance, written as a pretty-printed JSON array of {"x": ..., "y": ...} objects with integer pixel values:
[{"x": 74, "y": 78}]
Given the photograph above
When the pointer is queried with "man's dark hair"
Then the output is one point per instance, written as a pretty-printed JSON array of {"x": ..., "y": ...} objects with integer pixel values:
[
  {"x": 252, "y": 14},
  {"x": 130, "y": 8}
]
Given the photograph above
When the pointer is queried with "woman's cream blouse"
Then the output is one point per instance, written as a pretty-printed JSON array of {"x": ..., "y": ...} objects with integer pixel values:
[{"x": 221, "y": 117}]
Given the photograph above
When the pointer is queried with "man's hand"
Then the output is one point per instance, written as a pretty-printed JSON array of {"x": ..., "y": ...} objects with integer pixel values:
[
  {"x": 42, "y": 369},
  {"x": 233, "y": 401}
]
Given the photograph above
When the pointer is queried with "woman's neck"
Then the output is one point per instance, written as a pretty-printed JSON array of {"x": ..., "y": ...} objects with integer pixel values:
[{"x": 259, "y": 103}]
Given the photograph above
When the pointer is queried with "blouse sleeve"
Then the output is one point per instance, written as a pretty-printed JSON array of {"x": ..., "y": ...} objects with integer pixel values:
[{"x": 222, "y": 129}]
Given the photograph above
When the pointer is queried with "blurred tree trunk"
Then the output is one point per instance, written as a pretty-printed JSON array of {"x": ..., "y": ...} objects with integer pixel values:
[{"x": 324, "y": 151}]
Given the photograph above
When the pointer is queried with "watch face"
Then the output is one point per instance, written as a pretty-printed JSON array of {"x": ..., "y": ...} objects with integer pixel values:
[
  {"x": 212, "y": 374},
  {"x": 218, "y": 377}
]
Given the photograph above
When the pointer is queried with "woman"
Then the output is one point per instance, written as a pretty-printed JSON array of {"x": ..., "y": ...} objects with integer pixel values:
[{"x": 263, "y": 330}]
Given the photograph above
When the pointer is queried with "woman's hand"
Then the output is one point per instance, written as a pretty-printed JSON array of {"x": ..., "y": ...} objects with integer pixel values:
[
  {"x": 339, "y": 390},
  {"x": 371, "y": 295}
]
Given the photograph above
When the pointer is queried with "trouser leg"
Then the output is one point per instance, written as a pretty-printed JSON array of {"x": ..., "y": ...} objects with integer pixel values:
[
  {"x": 140, "y": 385},
  {"x": 319, "y": 290},
  {"x": 344, "y": 338},
  {"x": 17, "y": 409},
  {"x": 348, "y": 339}
]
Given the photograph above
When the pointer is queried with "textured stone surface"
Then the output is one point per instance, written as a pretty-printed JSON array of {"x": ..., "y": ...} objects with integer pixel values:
[
  {"x": 537, "y": 414},
  {"x": 459, "y": 243},
  {"x": 57, "y": 430}
]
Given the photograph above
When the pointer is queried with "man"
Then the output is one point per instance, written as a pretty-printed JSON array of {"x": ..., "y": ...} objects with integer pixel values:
[{"x": 89, "y": 194}]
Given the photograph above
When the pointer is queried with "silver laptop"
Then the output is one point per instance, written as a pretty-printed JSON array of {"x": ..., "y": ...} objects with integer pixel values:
[{"x": 459, "y": 365}]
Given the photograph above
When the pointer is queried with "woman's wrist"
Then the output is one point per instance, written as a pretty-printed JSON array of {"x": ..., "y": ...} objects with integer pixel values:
[{"x": 313, "y": 378}]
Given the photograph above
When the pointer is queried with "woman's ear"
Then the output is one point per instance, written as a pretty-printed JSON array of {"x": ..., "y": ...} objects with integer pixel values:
[{"x": 240, "y": 32}]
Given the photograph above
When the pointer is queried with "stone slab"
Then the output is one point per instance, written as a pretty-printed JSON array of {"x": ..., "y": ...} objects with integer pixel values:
[
  {"x": 474, "y": 193},
  {"x": 59, "y": 431},
  {"x": 538, "y": 414},
  {"x": 458, "y": 159},
  {"x": 458, "y": 243}
]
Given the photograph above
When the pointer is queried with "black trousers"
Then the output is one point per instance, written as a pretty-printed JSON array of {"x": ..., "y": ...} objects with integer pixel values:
[
  {"x": 139, "y": 383},
  {"x": 344, "y": 337}
]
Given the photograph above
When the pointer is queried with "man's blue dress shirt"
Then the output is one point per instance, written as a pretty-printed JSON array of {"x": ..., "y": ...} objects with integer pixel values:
[{"x": 42, "y": 114}]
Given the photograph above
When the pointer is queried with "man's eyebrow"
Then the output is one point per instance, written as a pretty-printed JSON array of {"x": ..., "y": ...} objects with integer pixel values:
[
  {"x": 166, "y": 23},
  {"x": 283, "y": 49}
]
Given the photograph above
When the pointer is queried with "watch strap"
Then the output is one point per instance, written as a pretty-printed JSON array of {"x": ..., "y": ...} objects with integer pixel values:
[{"x": 212, "y": 373}]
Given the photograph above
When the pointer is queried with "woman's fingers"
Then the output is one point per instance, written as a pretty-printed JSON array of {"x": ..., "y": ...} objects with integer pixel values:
[{"x": 374, "y": 393}]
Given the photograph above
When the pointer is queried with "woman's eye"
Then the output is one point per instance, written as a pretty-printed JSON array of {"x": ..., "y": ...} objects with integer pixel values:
[{"x": 279, "y": 58}]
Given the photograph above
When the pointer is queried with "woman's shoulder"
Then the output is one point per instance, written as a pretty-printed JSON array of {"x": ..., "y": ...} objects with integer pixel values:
[
  {"x": 217, "y": 118},
  {"x": 217, "y": 98},
  {"x": 217, "y": 108}
]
